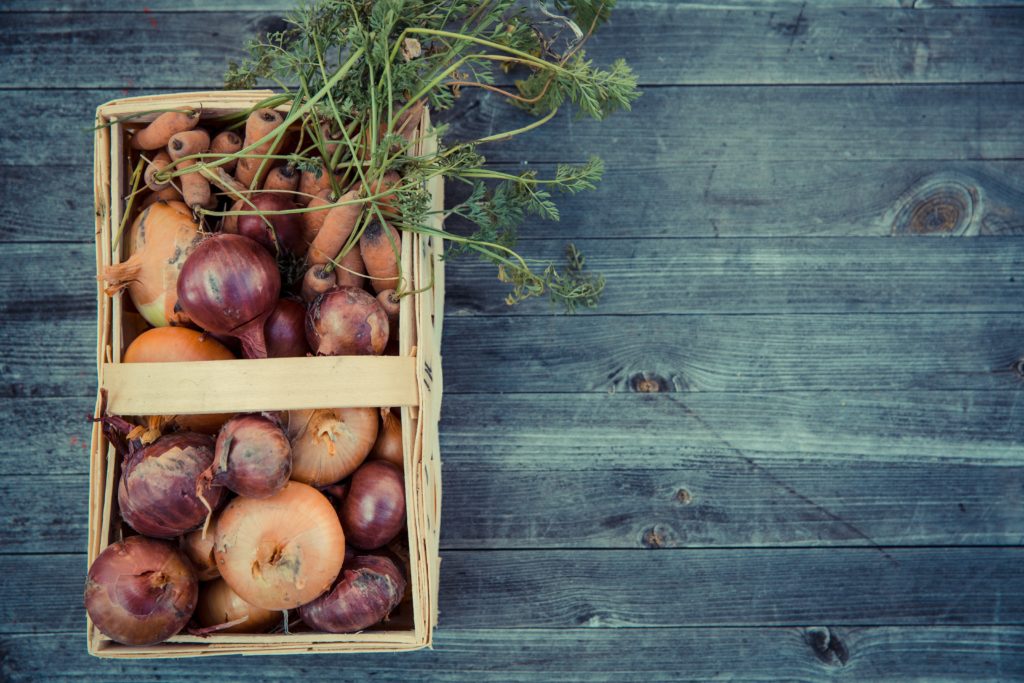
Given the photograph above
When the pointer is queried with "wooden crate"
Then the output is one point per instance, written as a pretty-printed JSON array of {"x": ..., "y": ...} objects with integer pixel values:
[{"x": 412, "y": 381}]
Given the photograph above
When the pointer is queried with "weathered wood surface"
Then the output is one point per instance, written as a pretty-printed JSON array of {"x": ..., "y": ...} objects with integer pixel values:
[
  {"x": 805, "y": 400},
  {"x": 664, "y": 43},
  {"x": 668, "y": 126},
  {"x": 804, "y": 654}
]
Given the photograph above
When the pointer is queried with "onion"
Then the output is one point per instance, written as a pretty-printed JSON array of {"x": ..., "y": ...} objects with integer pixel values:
[
  {"x": 280, "y": 552},
  {"x": 161, "y": 492},
  {"x": 388, "y": 446},
  {"x": 140, "y": 591},
  {"x": 373, "y": 512},
  {"x": 370, "y": 586},
  {"x": 252, "y": 457},
  {"x": 329, "y": 444},
  {"x": 180, "y": 344},
  {"x": 198, "y": 548},
  {"x": 160, "y": 241},
  {"x": 287, "y": 226},
  {"x": 218, "y": 604},
  {"x": 229, "y": 285},
  {"x": 285, "y": 330},
  {"x": 346, "y": 322}
]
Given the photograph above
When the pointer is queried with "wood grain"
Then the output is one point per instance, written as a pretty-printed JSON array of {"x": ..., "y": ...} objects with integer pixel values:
[
  {"x": 668, "y": 125},
  {"x": 695, "y": 45},
  {"x": 603, "y": 588},
  {"x": 802, "y": 654}
]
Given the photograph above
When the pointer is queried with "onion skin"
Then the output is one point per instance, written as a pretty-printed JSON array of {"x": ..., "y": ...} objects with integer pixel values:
[
  {"x": 346, "y": 321},
  {"x": 283, "y": 551},
  {"x": 370, "y": 586},
  {"x": 229, "y": 285},
  {"x": 373, "y": 512},
  {"x": 199, "y": 552},
  {"x": 330, "y": 444},
  {"x": 287, "y": 226},
  {"x": 181, "y": 344},
  {"x": 140, "y": 591},
  {"x": 388, "y": 446},
  {"x": 252, "y": 456},
  {"x": 218, "y": 604},
  {"x": 160, "y": 485},
  {"x": 160, "y": 241},
  {"x": 285, "y": 330}
]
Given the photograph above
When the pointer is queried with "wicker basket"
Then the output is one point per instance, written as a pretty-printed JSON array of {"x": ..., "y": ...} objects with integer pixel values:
[{"x": 411, "y": 381}]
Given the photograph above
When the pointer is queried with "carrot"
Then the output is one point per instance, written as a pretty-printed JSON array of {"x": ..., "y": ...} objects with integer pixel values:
[
  {"x": 156, "y": 164},
  {"x": 337, "y": 226},
  {"x": 226, "y": 143},
  {"x": 230, "y": 223},
  {"x": 408, "y": 124},
  {"x": 380, "y": 255},
  {"x": 390, "y": 303},
  {"x": 282, "y": 178},
  {"x": 311, "y": 184},
  {"x": 157, "y": 133},
  {"x": 314, "y": 220},
  {"x": 388, "y": 202},
  {"x": 315, "y": 282},
  {"x": 261, "y": 123},
  {"x": 167, "y": 194},
  {"x": 352, "y": 271},
  {"x": 195, "y": 189}
]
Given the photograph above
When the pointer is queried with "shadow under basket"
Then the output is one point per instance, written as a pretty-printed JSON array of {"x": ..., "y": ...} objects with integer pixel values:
[{"x": 410, "y": 381}]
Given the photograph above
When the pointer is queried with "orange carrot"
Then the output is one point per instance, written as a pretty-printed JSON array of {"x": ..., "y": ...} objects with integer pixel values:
[
  {"x": 352, "y": 272},
  {"x": 157, "y": 133},
  {"x": 380, "y": 255},
  {"x": 337, "y": 226},
  {"x": 261, "y": 123},
  {"x": 315, "y": 282},
  {"x": 310, "y": 184},
  {"x": 167, "y": 194},
  {"x": 156, "y": 164},
  {"x": 388, "y": 203},
  {"x": 226, "y": 143},
  {"x": 195, "y": 189},
  {"x": 230, "y": 223},
  {"x": 314, "y": 220},
  {"x": 282, "y": 178}
]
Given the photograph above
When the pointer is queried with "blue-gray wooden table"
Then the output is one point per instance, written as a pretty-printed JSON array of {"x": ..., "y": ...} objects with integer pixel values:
[{"x": 788, "y": 445}]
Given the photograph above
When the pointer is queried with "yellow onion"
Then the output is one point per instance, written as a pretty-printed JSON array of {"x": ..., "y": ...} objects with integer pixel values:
[
  {"x": 218, "y": 604},
  {"x": 280, "y": 552},
  {"x": 198, "y": 548},
  {"x": 329, "y": 444},
  {"x": 160, "y": 240}
]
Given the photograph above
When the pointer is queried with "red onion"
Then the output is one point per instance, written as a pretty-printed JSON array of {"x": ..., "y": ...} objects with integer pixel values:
[
  {"x": 229, "y": 285},
  {"x": 285, "y": 330},
  {"x": 287, "y": 226},
  {"x": 140, "y": 591},
  {"x": 370, "y": 586},
  {"x": 346, "y": 321},
  {"x": 253, "y": 456},
  {"x": 161, "y": 491},
  {"x": 373, "y": 512}
]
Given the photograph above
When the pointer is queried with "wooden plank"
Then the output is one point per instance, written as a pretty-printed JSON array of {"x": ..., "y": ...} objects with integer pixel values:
[
  {"x": 696, "y": 45},
  {"x": 703, "y": 199},
  {"x": 810, "y": 654},
  {"x": 668, "y": 126},
  {"x": 629, "y": 588},
  {"x": 722, "y": 352}
]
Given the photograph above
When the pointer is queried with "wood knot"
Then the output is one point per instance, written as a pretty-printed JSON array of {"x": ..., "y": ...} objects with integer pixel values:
[
  {"x": 939, "y": 205},
  {"x": 826, "y": 646},
  {"x": 657, "y": 536},
  {"x": 683, "y": 497},
  {"x": 649, "y": 383},
  {"x": 1018, "y": 367}
]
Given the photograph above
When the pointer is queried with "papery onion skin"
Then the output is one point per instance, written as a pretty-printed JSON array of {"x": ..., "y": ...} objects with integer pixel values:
[
  {"x": 287, "y": 226},
  {"x": 181, "y": 344},
  {"x": 160, "y": 241},
  {"x": 140, "y": 591},
  {"x": 346, "y": 321},
  {"x": 369, "y": 588},
  {"x": 218, "y": 604},
  {"x": 388, "y": 446},
  {"x": 160, "y": 487},
  {"x": 285, "y": 330},
  {"x": 373, "y": 512},
  {"x": 229, "y": 285},
  {"x": 283, "y": 551},
  {"x": 330, "y": 444},
  {"x": 199, "y": 551},
  {"x": 252, "y": 456}
]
